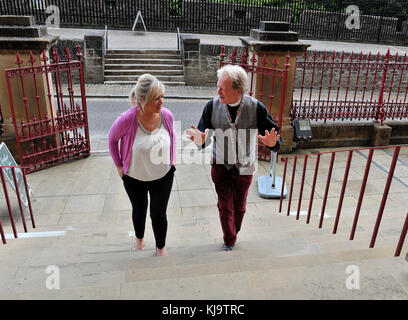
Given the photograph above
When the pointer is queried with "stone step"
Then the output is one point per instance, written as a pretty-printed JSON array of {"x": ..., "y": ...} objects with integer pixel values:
[
  {"x": 257, "y": 225},
  {"x": 274, "y": 35},
  {"x": 274, "y": 26},
  {"x": 98, "y": 236},
  {"x": 142, "y": 56},
  {"x": 198, "y": 246},
  {"x": 129, "y": 82},
  {"x": 130, "y": 77},
  {"x": 132, "y": 72},
  {"x": 92, "y": 256},
  {"x": 146, "y": 51},
  {"x": 23, "y": 32},
  {"x": 144, "y": 61},
  {"x": 122, "y": 67},
  {"x": 140, "y": 67},
  {"x": 14, "y": 20},
  {"x": 154, "y": 66},
  {"x": 307, "y": 278},
  {"x": 188, "y": 261}
]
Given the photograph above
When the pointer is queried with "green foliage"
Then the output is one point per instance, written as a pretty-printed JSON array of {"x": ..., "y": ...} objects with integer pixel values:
[{"x": 175, "y": 7}]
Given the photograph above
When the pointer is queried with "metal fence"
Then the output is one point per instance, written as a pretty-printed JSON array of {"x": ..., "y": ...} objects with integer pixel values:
[
  {"x": 20, "y": 189},
  {"x": 381, "y": 21},
  {"x": 336, "y": 87},
  {"x": 396, "y": 168}
]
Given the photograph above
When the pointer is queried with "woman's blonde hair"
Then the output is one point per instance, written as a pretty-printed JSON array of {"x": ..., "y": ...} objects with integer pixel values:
[{"x": 147, "y": 87}]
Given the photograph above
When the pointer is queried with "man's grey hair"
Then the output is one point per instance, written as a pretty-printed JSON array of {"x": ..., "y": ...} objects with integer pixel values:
[
  {"x": 237, "y": 75},
  {"x": 147, "y": 87}
]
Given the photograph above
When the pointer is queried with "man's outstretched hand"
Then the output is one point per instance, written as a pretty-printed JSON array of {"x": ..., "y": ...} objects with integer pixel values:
[
  {"x": 270, "y": 138},
  {"x": 197, "y": 136}
]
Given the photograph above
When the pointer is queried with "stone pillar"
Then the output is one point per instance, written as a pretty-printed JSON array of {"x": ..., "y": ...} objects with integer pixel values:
[
  {"x": 274, "y": 39},
  {"x": 381, "y": 135},
  {"x": 190, "y": 48},
  {"x": 21, "y": 34},
  {"x": 94, "y": 58}
]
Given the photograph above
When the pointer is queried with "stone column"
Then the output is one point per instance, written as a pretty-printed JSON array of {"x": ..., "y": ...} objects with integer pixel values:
[
  {"x": 21, "y": 34},
  {"x": 274, "y": 39},
  {"x": 190, "y": 48},
  {"x": 381, "y": 135},
  {"x": 94, "y": 58}
]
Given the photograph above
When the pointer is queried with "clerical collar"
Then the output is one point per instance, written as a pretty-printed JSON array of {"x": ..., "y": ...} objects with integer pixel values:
[{"x": 236, "y": 104}]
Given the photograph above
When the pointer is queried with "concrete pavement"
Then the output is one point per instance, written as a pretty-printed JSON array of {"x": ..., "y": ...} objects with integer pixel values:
[
  {"x": 83, "y": 239},
  {"x": 84, "y": 231},
  {"x": 122, "y": 39}
]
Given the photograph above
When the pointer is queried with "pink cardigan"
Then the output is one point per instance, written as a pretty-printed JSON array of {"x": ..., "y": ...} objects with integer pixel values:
[{"x": 124, "y": 129}]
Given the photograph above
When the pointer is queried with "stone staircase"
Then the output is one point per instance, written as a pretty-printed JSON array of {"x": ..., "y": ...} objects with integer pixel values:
[
  {"x": 276, "y": 256},
  {"x": 125, "y": 66}
]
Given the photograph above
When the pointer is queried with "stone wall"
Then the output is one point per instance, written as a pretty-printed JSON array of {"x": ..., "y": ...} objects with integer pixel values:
[
  {"x": 336, "y": 135},
  {"x": 71, "y": 44},
  {"x": 92, "y": 46},
  {"x": 94, "y": 57}
]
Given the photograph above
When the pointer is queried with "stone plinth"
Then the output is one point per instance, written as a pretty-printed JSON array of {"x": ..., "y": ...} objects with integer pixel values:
[
  {"x": 94, "y": 59},
  {"x": 381, "y": 135},
  {"x": 190, "y": 48},
  {"x": 274, "y": 39},
  {"x": 20, "y": 34}
]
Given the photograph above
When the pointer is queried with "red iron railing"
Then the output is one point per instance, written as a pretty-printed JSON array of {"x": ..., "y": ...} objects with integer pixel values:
[
  {"x": 339, "y": 88},
  {"x": 44, "y": 140},
  {"x": 369, "y": 161},
  {"x": 255, "y": 67},
  {"x": 17, "y": 186}
]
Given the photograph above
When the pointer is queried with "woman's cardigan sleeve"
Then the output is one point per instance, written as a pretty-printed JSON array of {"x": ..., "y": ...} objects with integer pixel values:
[{"x": 117, "y": 131}]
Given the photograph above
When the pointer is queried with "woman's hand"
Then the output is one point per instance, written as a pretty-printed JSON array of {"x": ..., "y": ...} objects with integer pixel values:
[
  {"x": 269, "y": 139},
  {"x": 197, "y": 136},
  {"x": 120, "y": 171}
]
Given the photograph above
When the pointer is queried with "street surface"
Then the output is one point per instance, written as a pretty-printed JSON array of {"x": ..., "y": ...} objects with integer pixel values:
[{"x": 102, "y": 113}]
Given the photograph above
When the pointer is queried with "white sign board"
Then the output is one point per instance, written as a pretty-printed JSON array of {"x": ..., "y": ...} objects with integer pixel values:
[
  {"x": 138, "y": 15},
  {"x": 6, "y": 159}
]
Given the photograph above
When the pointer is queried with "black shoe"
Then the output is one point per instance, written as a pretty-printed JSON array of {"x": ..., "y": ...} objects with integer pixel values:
[{"x": 226, "y": 247}]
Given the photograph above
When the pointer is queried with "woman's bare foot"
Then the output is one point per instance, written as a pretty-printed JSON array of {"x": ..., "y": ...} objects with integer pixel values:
[
  {"x": 161, "y": 252},
  {"x": 139, "y": 244}
]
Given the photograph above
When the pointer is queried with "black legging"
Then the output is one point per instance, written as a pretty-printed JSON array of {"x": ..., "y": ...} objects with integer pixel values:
[{"x": 159, "y": 191}]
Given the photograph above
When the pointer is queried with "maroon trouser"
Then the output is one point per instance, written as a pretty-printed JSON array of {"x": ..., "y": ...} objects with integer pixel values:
[{"x": 232, "y": 190}]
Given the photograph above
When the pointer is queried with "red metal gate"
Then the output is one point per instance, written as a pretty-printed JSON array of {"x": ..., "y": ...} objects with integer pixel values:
[
  {"x": 260, "y": 68},
  {"x": 45, "y": 139}
]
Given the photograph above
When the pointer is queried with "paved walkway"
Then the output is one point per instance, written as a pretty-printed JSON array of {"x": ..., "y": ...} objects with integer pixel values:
[
  {"x": 118, "y": 39},
  {"x": 122, "y": 91},
  {"x": 84, "y": 231}
]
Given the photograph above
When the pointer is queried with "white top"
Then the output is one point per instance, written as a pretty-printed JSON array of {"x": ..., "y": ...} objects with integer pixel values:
[{"x": 150, "y": 153}]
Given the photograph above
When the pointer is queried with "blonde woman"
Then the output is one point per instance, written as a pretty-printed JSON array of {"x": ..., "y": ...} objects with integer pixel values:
[{"x": 145, "y": 131}]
